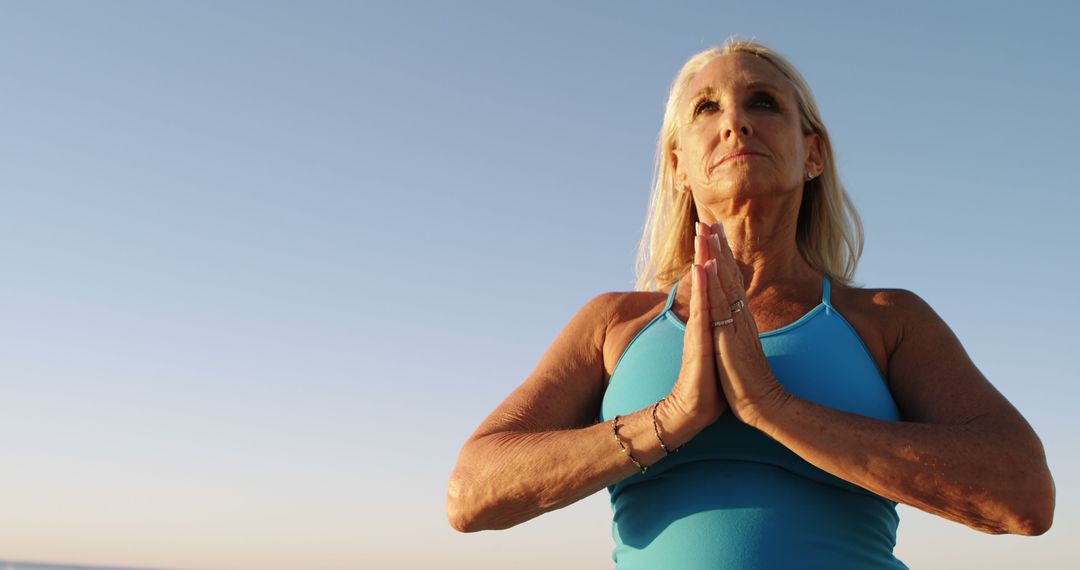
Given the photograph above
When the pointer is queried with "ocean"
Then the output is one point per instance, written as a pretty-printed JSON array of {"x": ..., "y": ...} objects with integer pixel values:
[{"x": 17, "y": 565}]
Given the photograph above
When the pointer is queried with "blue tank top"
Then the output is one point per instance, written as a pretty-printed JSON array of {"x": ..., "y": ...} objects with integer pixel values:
[{"x": 733, "y": 497}]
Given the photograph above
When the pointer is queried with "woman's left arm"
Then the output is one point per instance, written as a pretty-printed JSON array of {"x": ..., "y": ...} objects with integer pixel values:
[{"x": 963, "y": 452}]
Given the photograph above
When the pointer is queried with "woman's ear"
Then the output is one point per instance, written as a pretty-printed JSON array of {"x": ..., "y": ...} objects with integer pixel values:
[
  {"x": 815, "y": 154},
  {"x": 679, "y": 174}
]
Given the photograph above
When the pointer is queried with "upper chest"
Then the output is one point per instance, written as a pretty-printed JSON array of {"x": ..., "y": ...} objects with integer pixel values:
[{"x": 870, "y": 319}]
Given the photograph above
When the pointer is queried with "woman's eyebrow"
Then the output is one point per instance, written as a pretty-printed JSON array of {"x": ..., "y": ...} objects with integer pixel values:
[
  {"x": 764, "y": 85},
  {"x": 711, "y": 92},
  {"x": 706, "y": 91}
]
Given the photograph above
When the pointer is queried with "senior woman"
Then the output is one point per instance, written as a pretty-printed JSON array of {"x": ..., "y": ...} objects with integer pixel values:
[{"x": 764, "y": 412}]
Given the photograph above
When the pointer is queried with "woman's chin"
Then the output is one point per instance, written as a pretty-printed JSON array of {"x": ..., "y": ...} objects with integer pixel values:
[{"x": 749, "y": 188}]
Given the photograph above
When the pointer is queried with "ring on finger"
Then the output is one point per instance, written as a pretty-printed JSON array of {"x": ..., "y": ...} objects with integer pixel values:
[
  {"x": 737, "y": 306},
  {"x": 724, "y": 322}
]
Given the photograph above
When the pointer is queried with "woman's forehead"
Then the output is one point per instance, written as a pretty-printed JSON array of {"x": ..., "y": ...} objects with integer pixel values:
[{"x": 736, "y": 70}]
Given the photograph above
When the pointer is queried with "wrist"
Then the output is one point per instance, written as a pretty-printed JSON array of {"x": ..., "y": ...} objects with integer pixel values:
[
  {"x": 668, "y": 449},
  {"x": 765, "y": 413},
  {"x": 675, "y": 425}
]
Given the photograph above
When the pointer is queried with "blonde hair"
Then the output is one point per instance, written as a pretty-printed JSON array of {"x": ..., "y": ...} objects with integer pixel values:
[{"x": 828, "y": 234}]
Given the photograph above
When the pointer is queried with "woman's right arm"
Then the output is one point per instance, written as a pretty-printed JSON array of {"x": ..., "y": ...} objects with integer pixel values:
[
  {"x": 532, "y": 454},
  {"x": 540, "y": 450}
]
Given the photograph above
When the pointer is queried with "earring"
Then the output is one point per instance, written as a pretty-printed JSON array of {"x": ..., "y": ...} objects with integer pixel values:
[{"x": 809, "y": 176}]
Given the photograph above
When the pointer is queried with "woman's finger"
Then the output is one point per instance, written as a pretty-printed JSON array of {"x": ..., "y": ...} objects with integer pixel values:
[
  {"x": 732, "y": 277},
  {"x": 731, "y": 288},
  {"x": 719, "y": 306},
  {"x": 698, "y": 333},
  {"x": 725, "y": 252},
  {"x": 701, "y": 250},
  {"x": 730, "y": 291},
  {"x": 709, "y": 231},
  {"x": 699, "y": 352}
]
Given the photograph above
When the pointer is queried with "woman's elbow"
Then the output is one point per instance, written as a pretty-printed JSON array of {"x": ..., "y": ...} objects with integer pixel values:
[
  {"x": 461, "y": 518},
  {"x": 1037, "y": 515},
  {"x": 1040, "y": 522},
  {"x": 1035, "y": 524},
  {"x": 472, "y": 508},
  {"x": 464, "y": 510},
  {"x": 459, "y": 521}
]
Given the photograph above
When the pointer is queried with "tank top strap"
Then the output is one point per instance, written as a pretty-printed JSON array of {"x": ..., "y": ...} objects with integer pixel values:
[{"x": 671, "y": 297}]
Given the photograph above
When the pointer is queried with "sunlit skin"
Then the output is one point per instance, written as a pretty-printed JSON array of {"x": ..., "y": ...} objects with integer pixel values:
[
  {"x": 738, "y": 102},
  {"x": 744, "y": 157},
  {"x": 962, "y": 452}
]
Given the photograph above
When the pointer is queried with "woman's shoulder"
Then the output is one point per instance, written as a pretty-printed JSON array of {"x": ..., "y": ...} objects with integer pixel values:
[
  {"x": 630, "y": 303},
  {"x": 611, "y": 311},
  {"x": 886, "y": 305},
  {"x": 617, "y": 307},
  {"x": 625, "y": 308},
  {"x": 614, "y": 308},
  {"x": 898, "y": 310},
  {"x": 879, "y": 296}
]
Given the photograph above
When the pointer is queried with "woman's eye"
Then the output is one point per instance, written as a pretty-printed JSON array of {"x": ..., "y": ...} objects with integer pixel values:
[
  {"x": 704, "y": 106},
  {"x": 764, "y": 101}
]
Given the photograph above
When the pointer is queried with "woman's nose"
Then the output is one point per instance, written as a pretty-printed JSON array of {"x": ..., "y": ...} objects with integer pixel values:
[{"x": 735, "y": 122}]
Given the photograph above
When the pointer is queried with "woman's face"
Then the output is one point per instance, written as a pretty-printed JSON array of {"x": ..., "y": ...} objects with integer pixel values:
[{"x": 741, "y": 134}]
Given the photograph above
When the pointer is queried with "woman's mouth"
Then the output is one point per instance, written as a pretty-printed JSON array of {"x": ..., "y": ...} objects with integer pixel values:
[{"x": 739, "y": 154}]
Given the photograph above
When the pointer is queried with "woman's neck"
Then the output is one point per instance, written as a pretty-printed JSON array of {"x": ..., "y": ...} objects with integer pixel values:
[{"x": 761, "y": 234}]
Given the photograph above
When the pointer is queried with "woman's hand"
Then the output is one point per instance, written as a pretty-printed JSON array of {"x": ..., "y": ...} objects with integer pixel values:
[
  {"x": 696, "y": 400},
  {"x": 745, "y": 375}
]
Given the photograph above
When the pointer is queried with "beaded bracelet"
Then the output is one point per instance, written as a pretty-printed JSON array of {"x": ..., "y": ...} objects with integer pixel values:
[
  {"x": 615, "y": 430},
  {"x": 656, "y": 429}
]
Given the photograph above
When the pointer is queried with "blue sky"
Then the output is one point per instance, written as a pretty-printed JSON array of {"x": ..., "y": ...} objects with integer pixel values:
[{"x": 267, "y": 265}]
